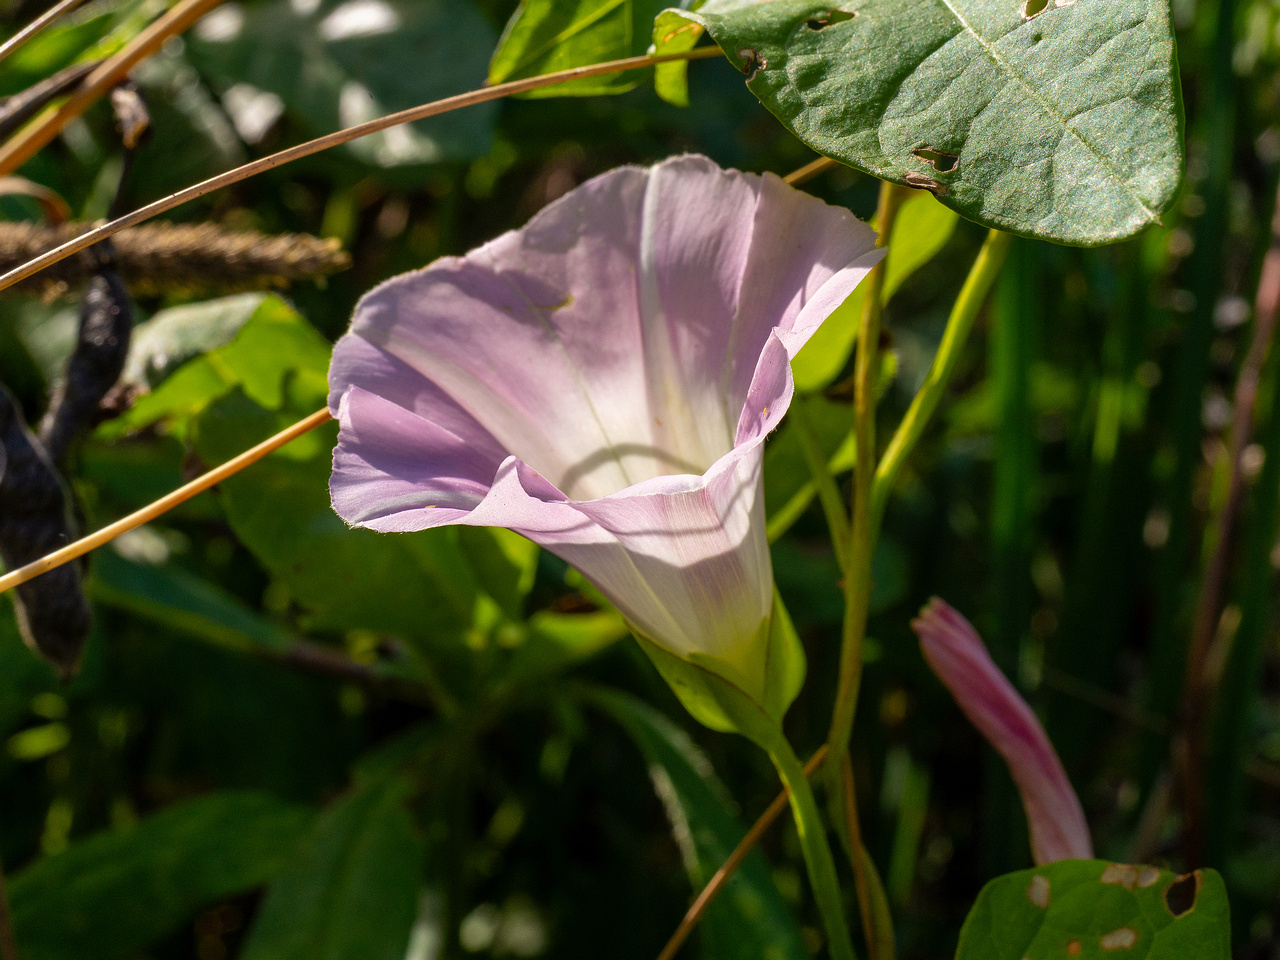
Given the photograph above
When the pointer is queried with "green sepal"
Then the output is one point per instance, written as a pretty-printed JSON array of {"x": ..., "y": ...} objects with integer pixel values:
[{"x": 723, "y": 697}]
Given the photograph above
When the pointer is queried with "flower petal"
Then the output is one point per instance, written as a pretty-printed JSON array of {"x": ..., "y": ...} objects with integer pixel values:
[{"x": 957, "y": 655}]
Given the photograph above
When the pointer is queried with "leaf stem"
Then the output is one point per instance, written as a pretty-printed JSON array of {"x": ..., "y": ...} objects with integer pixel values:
[
  {"x": 335, "y": 139},
  {"x": 148, "y": 513},
  {"x": 813, "y": 843},
  {"x": 963, "y": 313}
]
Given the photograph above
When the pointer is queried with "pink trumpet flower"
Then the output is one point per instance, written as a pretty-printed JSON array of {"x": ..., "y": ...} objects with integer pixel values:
[
  {"x": 957, "y": 655},
  {"x": 602, "y": 381}
]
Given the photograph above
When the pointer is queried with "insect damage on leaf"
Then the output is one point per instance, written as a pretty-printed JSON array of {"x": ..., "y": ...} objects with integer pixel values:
[
  {"x": 1038, "y": 891},
  {"x": 940, "y": 160},
  {"x": 752, "y": 62},
  {"x": 827, "y": 19},
  {"x": 1181, "y": 895},
  {"x": 1121, "y": 939},
  {"x": 922, "y": 181}
]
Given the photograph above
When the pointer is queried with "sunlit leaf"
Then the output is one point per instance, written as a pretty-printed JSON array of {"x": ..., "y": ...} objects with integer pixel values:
[
  {"x": 549, "y": 35},
  {"x": 1059, "y": 120}
]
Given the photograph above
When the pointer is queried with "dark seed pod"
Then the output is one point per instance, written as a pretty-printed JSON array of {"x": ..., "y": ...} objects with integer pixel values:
[
  {"x": 106, "y": 321},
  {"x": 53, "y": 614}
]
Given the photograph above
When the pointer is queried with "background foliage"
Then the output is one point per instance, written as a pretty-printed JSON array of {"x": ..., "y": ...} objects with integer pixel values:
[{"x": 289, "y": 738}]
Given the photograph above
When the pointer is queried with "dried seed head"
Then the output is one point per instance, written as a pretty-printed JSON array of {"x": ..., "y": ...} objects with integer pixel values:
[{"x": 167, "y": 258}]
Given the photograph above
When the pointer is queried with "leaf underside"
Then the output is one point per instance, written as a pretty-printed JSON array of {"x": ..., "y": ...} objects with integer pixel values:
[{"x": 1064, "y": 125}]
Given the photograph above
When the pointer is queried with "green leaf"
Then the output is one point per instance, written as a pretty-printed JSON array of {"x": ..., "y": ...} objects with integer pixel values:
[
  {"x": 336, "y": 63},
  {"x": 922, "y": 228},
  {"x": 415, "y": 586},
  {"x": 1096, "y": 910},
  {"x": 113, "y": 894},
  {"x": 549, "y": 35},
  {"x": 352, "y": 893},
  {"x": 551, "y": 642},
  {"x": 249, "y": 341},
  {"x": 1065, "y": 125},
  {"x": 23, "y": 675},
  {"x": 171, "y": 596},
  {"x": 748, "y": 920}
]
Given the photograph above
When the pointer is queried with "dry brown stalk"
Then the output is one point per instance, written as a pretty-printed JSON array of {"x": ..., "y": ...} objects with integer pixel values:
[
  {"x": 27, "y": 142},
  {"x": 169, "y": 258},
  {"x": 335, "y": 139}
]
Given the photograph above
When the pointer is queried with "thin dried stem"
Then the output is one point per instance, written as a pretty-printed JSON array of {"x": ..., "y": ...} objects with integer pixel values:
[
  {"x": 163, "y": 505},
  {"x": 731, "y": 865},
  {"x": 337, "y": 139},
  {"x": 810, "y": 170},
  {"x": 36, "y": 25},
  {"x": 27, "y": 142}
]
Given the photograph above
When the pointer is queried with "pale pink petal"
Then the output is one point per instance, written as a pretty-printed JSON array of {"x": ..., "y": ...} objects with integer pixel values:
[
  {"x": 960, "y": 659},
  {"x": 602, "y": 381}
]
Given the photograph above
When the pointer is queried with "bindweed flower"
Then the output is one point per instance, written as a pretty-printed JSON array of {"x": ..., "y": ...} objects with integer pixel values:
[
  {"x": 958, "y": 656},
  {"x": 602, "y": 381}
]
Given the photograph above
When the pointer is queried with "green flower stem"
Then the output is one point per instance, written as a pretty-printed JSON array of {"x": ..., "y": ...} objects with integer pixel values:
[
  {"x": 963, "y": 313},
  {"x": 823, "y": 480},
  {"x": 857, "y": 574},
  {"x": 818, "y": 860}
]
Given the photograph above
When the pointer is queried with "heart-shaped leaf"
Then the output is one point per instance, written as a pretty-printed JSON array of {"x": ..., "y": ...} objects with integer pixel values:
[
  {"x": 1059, "y": 119},
  {"x": 1094, "y": 910}
]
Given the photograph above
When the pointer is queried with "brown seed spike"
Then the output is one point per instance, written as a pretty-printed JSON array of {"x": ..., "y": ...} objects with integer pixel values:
[
  {"x": 1038, "y": 891},
  {"x": 1180, "y": 898},
  {"x": 1121, "y": 874},
  {"x": 1121, "y": 939}
]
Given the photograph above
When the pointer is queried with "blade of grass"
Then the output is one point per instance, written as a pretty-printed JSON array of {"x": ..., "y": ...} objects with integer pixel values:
[{"x": 35, "y": 26}]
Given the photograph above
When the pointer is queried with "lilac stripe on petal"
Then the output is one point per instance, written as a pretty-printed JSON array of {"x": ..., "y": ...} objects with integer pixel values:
[
  {"x": 958, "y": 656},
  {"x": 602, "y": 382}
]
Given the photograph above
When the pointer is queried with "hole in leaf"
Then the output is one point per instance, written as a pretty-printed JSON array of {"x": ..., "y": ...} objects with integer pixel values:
[
  {"x": 922, "y": 181},
  {"x": 752, "y": 62},
  {"x": 940, "y": 160},
  {"x": 828, "y": 18},
  {"x": 1032, "y": 8},
  {"x": 1180, "y": 898}
]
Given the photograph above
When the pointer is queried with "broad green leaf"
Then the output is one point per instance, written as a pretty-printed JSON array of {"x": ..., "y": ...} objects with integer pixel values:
[
  {"x": 749, "y": 919},
  {"x": 114, "y": 893},
  {"x": 550, "y": 642},
  {"x": 1094, "y": 910},
  {"x": 259, "y": 343},
  {"x": 418, "y": 587},
  {"x": 922, "y": 228},
  {"x": 170, "y": 595},
  {"x": 549, "y": 35},
  {"x": 1064, "y": 123},
  {"x": 352, "y": 893},
  {"x": 335, "y": 63}
]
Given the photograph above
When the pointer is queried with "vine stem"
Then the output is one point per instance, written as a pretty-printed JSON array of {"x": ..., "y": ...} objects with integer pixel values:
[
  {"x": 734, "y": 861},
  {"x": 818, "y": 860},
  {"x": 27, "y": 143},
  {"x": 964, "y": 311},
  {"x": 857, "y": 574},
  {"x": 335, "y": 139},
  {"x": 148, "y": 513}
]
